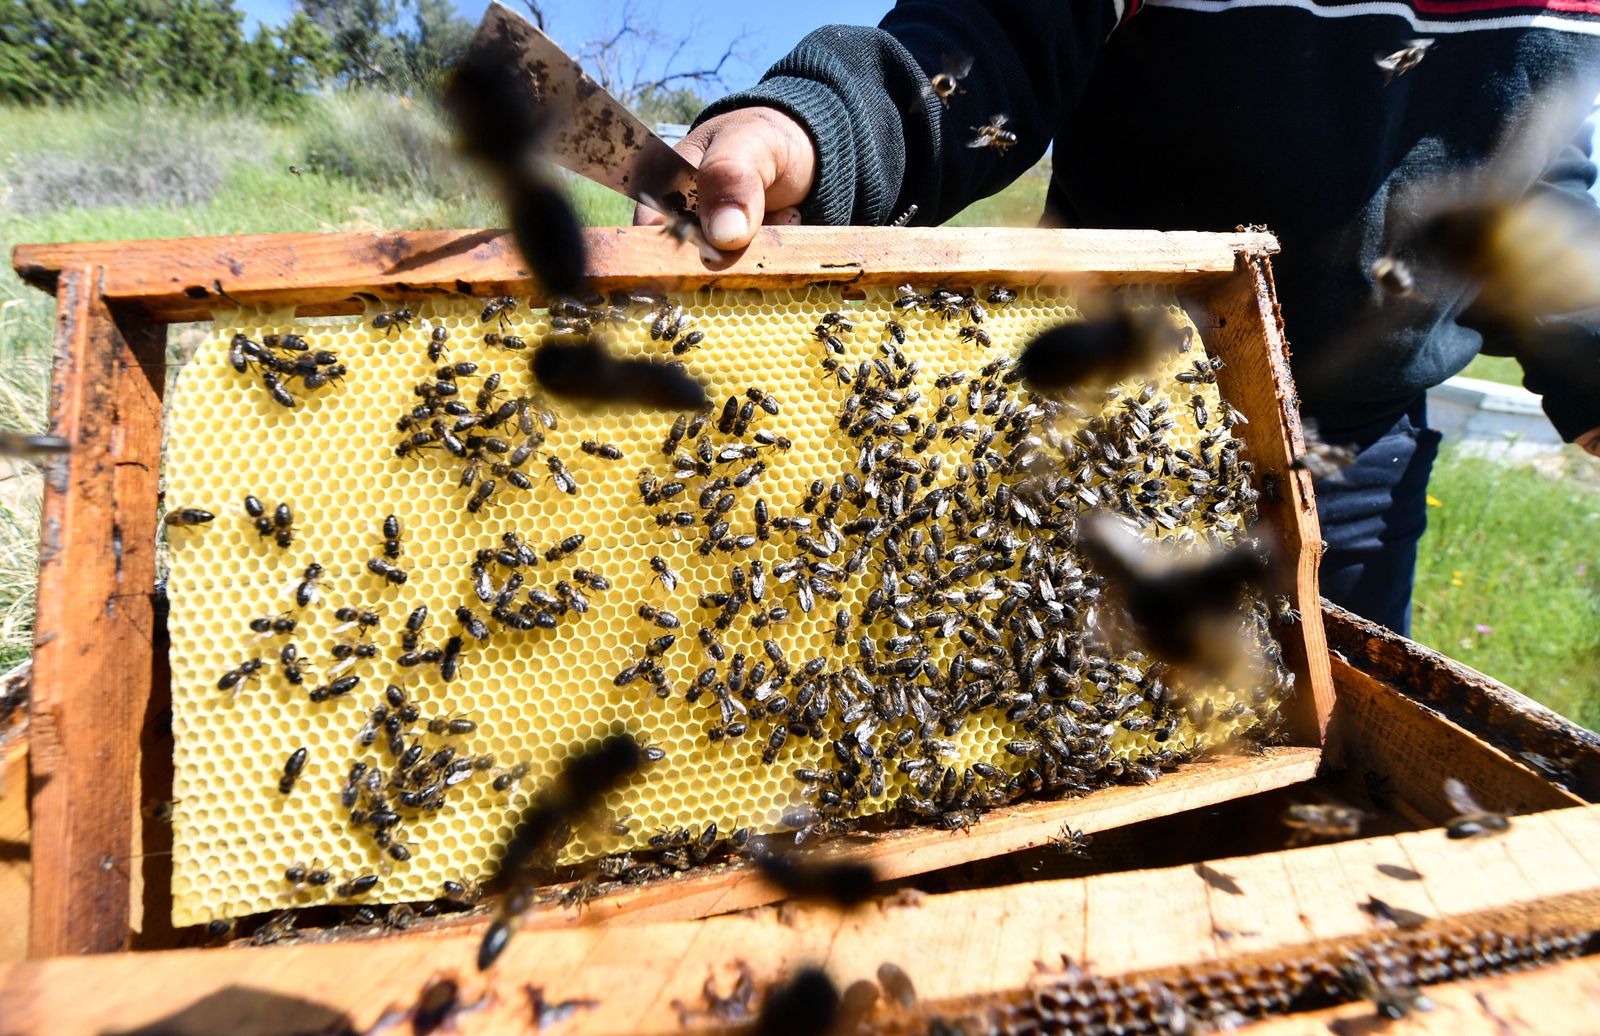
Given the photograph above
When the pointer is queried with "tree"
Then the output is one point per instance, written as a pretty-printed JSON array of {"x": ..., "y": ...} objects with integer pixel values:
[{"x": 69, "y": 50}]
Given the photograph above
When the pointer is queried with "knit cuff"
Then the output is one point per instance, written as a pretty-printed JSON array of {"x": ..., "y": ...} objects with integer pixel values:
[{"x": 817, "y": 108}]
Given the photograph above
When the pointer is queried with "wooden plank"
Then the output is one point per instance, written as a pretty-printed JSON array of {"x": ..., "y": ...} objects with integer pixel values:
[
  {"x": 953, "y": 945},
  {"x": 1557, "y": 999},
  {"x": 1382, "y": 868},
  {"x": 1379, "y": 731},
  {"x": 178, "y": 279},
  {"x": 92, "y": 641},
  {"x": 15, "y": 868},
  {"x": 1253, "y": 905},
  {"x": 1235, "y": 318},
  {"x": 1548, "y": 743},
  {"x": 897, "y": 854}
]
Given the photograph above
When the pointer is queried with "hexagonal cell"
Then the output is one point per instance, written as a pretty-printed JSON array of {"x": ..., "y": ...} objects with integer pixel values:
[{"x": 533, "y": 693}]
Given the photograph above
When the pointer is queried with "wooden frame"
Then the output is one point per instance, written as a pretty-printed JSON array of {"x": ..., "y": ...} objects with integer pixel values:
[
  {"x": 96, "y": 679},
  {"x": 959, "y": 948}
]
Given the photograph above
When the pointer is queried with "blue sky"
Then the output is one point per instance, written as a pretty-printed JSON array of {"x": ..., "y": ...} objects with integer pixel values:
[{"x": 772, "y": 28}]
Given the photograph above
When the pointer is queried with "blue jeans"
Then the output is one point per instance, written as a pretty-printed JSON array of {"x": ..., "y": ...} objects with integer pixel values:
[{"x": 1374, "y": 514}]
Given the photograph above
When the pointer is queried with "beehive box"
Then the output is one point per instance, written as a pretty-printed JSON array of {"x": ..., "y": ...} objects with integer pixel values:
[
  {"x": 1222, "y": 283},
  {"x": 534, "y": 693}
]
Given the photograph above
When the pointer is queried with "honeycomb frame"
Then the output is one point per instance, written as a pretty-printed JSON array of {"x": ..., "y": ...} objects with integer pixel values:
[{"x": 233, "y": 838}]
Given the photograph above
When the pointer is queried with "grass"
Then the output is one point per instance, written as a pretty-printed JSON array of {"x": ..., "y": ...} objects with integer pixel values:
[
  {"x": 1517, "y": 537},
  {"x": 1502, "y": 369},
  {"x": 1509, "y": 579}
]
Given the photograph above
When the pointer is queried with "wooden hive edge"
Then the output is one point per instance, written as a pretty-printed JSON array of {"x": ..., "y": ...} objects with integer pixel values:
[
  {"x": 966, "y": 944},
  {"x": 186, "y": 278}
]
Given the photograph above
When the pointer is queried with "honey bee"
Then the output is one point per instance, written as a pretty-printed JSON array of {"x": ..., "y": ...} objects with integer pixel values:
[
  {"x": 249, "y": 669},
  {"x": 993, "y": 134},
  {"x": 1393, "y": 1000},
  {"x": 1472, "y": 820},
  {"x": 309, "y": 586},
  {"x": 292, "y": 769},
  {"x": 1310, "y": 820},
  {"x": 187, "y": 516},
  {"x": 946, "y": 83},
  {"x": 390, "y": 320},
  {"x": 1403, "y": 60}
]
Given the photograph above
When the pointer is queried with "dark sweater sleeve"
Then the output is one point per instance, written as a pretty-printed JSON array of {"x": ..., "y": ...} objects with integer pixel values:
[
  {"x": 886, "y": 142},
  {"x": 1560, "y": 358}
]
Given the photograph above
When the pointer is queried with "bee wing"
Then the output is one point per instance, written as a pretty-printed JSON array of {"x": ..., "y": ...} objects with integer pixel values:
[
  {"x": 956, "y": 66},
  {"x": 336, "y": 669},
  {"x": 1461, "y": 799},
  {"x": 999, "y": 121},
  {"x": 1388, "y": 62},
  {"x": 981, "y": 140},
  {"x": 1420, "y": 44}
]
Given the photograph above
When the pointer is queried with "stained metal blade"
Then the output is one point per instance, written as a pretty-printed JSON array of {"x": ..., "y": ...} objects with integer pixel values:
[{"x": 591, "y": 133}]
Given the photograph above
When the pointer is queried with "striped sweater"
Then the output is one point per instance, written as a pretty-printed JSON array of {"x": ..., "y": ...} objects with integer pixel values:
[{"x": 1208, "y": 114}]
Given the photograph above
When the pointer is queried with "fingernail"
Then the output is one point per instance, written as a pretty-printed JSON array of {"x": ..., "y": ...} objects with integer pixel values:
[{"x": 728, "y": 226}]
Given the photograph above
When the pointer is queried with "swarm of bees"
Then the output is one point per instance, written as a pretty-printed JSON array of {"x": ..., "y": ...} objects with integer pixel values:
[
  {"x": 938, "y": 562},
  {"x": 280, "y": 360}
]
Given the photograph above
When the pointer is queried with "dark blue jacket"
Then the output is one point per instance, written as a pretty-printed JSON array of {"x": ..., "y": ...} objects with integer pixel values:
[{"x": 1209, "y": 114}]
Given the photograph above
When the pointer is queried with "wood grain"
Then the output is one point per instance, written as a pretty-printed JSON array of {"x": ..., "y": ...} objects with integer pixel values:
[
  {"x": 1240, "y": 322},
  {"x": 1558, "y": 999},
  {"x": 1550, "y": 744},
  {"x": 897, "y": 854},
  {"x": 179, "y": 279},
  {"x": 15, "y": 868},
  {"x": 92, "y": 640},
  {"x": 957, "y": 945},
  {"x": 1413, "y": 749}
]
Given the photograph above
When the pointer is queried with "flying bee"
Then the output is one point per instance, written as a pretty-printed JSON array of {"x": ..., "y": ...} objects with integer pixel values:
[
  {"x": 292, "y": 769},
  {"x": 390, "y": 320},
  {"x": 1393, "y": 277},
  {"x": 309, "y": 586},
  {"x": 392, "y": 574},
  {"x": 1403, "y": 60},
  {"x": 1324, "y": 460},
  {"x": 947, "y": 82},
  {"x": 1394, "y": 1000},
  {"x": 1322, "y": 821},
  {"x": 993, "y": 134},
  {"x": 1472, "y": 820},
  {"x": 187, "y": 516},
  {"x": 249, "y": 669}
]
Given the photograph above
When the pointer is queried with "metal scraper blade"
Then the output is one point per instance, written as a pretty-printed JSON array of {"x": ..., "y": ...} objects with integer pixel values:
[{"x": 591, "y": 132}]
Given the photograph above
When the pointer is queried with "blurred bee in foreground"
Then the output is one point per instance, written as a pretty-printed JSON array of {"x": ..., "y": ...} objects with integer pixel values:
[
  {"x": 682, "y": 227},
  {"x": 1403, "y": 60},
  {"x": 1393, "y": 1000},
  {"x": 1472, "y": 820},
  {"x": 947, "y": 82},
  {"x": 1322, "y": 820},
  {"x": 29, "y": 447}
]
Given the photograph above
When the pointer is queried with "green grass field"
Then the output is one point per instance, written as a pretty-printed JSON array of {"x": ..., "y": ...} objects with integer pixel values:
[{"x": 1509, "y": 579}]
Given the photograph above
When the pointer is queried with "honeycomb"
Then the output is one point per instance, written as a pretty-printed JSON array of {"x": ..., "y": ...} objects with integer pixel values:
[{"x": 530, "y": 694}]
